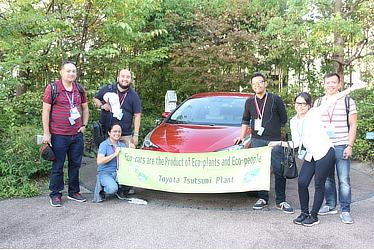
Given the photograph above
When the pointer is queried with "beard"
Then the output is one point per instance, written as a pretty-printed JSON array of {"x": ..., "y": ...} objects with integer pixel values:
[{"x": 124, "y": 85}]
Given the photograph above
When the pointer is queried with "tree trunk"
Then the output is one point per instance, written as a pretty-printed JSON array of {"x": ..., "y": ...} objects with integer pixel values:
[{"x": 339, "y": 44}]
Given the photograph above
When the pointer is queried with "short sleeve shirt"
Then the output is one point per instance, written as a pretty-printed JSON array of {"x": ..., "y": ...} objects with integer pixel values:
[
  {"x": 106, "y": 148},
  {"x": 60, "y": 110},
  {"x": 131, "y": 104},
  {"x": 336, "y": 116}
]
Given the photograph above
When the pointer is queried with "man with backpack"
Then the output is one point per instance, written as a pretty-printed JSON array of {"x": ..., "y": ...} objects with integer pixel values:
[
  {"x": 119, "y": 103},
  {"x": 340, "y": 122},
  {"x": 65, "y": 117}
]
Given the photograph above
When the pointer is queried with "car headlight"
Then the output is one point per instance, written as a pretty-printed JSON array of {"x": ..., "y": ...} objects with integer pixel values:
[{"x": 147, "y": 143}]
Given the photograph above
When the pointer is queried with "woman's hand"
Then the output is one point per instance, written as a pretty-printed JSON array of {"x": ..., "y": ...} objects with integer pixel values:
[
  {"x": 118, "y": 149},
  {"x": 275, "y": 143}
]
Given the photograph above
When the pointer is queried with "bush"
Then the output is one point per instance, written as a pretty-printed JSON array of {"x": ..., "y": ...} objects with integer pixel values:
[{"x": 20, "y": 164}]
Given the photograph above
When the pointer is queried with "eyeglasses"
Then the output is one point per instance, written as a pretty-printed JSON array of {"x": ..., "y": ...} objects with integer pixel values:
[
  {"x": 258, "y": 83},
  {"x": 302, "y": 104}
]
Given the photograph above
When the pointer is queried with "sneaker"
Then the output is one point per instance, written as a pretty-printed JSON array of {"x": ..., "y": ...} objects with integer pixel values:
[
  {"x": 300, "y": 218},
  {"x": 310, "y": 221},
  {"x": 325, "y": 210},
  {"x": 346, "y": 217},
  {"x": 55, "y": 201},
  {"x": 121, "y": 195},
  {"x": 285, "y": 207},
  {"x": 76, "y": 197},
  {"x": 260, "y": 204}
]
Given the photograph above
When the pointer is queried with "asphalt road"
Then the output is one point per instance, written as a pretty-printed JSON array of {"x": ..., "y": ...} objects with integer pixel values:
[{"x": 172, "y": 220}]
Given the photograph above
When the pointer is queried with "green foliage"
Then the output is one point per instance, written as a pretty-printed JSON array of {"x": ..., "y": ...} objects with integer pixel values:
[
  {"x": 363, "y": 149},
  {"x": 20, "y": 163}
]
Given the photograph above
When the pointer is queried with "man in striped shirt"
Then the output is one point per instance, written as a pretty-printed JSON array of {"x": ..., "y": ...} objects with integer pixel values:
[
  {"x": 65, "y": 117},
  {"x": 340, "y": 122}
]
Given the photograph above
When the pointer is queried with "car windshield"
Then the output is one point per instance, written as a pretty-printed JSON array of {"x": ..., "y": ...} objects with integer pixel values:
[{"x": 226, "y": 111}]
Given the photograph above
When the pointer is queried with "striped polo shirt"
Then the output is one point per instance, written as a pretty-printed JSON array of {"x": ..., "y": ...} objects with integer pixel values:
[
  {"x": 336, "y": 115},
  {"x": 60, "y": 111}
]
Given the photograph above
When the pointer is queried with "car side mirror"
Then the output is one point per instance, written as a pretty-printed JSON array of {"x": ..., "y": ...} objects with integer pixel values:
[{"x": 165, "y": 114}]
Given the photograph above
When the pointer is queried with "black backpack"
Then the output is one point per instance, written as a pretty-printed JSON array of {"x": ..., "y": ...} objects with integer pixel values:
[
  {"x": 347, "y": 105},
  {"x": 54, "y": 91}
]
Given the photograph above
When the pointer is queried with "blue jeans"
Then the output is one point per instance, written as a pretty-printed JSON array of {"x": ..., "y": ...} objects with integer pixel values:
[
  {"x": 320, "y": 170},
  {"x": 108, "y": 181},
  {"x": 280, "y": 181},
  {"x": 71, "y": 146},
  {"x": 343, "y": 167}
]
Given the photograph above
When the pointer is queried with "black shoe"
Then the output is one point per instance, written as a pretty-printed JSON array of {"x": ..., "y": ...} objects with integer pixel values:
[
  {"x": 310, "y": 221},
  {"x": 55, "y": 201},
  {"x": 76, "y": 197},
  {"x": 102, "y": 195},
  {"x": 300, "y": 218},
  {"x": 121, "y": 195},
  {"x": 260, "y": 204}
]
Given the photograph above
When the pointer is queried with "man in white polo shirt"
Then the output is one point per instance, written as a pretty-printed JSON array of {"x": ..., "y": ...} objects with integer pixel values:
[{"x": 340, "y": 122}]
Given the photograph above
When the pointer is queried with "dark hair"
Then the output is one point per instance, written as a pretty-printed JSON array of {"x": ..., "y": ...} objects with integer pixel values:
[
  {"x": 257, "y": 74},
  {"x": 112, "y": 125},
  {"x": 328, "y": 75},
  {"x": 307, "y": 97},
  {"x": 67, "y": 62}
]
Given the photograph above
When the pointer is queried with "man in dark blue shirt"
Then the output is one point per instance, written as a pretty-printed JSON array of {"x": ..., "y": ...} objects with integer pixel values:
[
  {"x": 129, "y": 103},
  {"x": 265, "y": 113}
]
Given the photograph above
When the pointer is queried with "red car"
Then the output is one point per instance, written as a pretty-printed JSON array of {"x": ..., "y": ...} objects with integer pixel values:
[{"x": 205, "y": 122}]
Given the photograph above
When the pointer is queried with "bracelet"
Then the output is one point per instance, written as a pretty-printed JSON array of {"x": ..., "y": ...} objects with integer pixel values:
[
  {"x": 349, "y": 145},
  {"x": 135, "y": 134},
  {"x": 84, "y": 125}
]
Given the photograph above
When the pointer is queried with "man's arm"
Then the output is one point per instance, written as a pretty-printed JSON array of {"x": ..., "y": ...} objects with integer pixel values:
[
  {"x": 352, "y": 120},
  {"x": 137, "y": 118},
  {"x": 85, "y": 116},
  {"x": 243, "y": 132},
  {"x": 46, "y": 112},
  {"x": 100, "y": 105}
]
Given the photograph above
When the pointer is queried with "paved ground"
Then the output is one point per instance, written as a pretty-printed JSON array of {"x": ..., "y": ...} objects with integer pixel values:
[{"x": 182, "y": 221}]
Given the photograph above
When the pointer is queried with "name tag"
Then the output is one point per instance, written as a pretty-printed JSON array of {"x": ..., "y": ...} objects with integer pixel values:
[
  {"x": 330, "y": 129},
  {"x": 258, "y": 124}
]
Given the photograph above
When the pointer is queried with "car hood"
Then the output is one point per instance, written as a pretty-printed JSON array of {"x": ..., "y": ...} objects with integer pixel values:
[{"x": 180, "y": 138}]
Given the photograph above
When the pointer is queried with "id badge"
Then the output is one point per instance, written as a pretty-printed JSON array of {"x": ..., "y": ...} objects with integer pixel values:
[
  {"x": 260, "y": 131},
  {"x": 71, "y": 120},
  {"x": 330, "y": 129},
  {"x": 74, "y": 113},
  {"x": 301, "y": 154},
  {"x": 120, "y": 115},
  {"x": 258, "y": 124}
]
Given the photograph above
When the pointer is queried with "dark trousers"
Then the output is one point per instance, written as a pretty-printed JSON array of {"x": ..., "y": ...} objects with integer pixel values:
[
  {"x": 280, "y": 181},
  {"x": 320, "y": 170},
  {"x": 72, "y": 147}
]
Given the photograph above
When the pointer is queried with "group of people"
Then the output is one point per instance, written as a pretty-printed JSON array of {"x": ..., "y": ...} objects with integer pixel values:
[
  {"x": 324, "y": 134},
  {"x": 65, "y": 117}
]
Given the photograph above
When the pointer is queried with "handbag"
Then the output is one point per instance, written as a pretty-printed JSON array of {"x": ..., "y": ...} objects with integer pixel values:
[{"x": 288, "y": 163}]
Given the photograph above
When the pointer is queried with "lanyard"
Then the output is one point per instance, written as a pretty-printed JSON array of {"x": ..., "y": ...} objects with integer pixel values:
[
  {"x": 260, "y": 112},
  {"x": 300, "y": 133},
  {"x": 121, "y": 100},
  {"x": 117, "y": 159},
  {"x": 71, "y": 101},
  {"x": 332, "y": 113}
]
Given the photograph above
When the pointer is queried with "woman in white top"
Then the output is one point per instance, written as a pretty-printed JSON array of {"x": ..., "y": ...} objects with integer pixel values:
[{"x": 309, "y": 135}]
